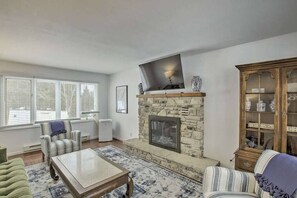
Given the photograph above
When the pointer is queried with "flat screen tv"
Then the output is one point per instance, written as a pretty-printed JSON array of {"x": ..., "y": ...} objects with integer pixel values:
[{"x": 162, "y": 74}]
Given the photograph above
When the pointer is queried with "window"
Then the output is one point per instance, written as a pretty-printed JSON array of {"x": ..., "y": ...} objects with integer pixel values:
[
  {"x": 45, "y": 100},
  {"x": 18, "y": 101},
  {"x": 68, "y": 100},
  {"x": 87, "y": 96},
  {"x": 29, "y": 100}
]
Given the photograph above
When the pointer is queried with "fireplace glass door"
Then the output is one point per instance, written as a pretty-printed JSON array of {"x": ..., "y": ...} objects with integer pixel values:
[{"x": 164, "y": 132}]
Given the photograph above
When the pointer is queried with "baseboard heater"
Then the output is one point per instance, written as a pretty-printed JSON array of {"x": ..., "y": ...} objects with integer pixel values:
[
  {"x": 85, "y": 138},
  {"x": 32, "y": 148}
]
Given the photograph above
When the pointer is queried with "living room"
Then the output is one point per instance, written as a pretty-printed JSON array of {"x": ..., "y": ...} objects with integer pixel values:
[{"x": 72, "y": 60}]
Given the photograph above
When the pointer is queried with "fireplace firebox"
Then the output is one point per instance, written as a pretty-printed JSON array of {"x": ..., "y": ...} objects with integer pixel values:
[{"x": 164, "y": 132}]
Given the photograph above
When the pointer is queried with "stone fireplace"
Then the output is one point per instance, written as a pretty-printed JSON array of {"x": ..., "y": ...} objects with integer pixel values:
[
  {"x": 171, "y": 131},
  {"x": 164, "y": 132},
  {"x": 190, "y": 111}
]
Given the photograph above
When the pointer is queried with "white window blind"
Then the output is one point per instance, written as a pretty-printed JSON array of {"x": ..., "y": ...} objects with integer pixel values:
[
  {"x": 18, "y": 101},
  {"x": 68, "y": 100},
  {"x": 45, "y": 100},
  {"x": 88, "y": 93}
]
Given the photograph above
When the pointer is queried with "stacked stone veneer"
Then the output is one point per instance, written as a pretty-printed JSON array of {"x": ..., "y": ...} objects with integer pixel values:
[{"x": 190, "y": 110}]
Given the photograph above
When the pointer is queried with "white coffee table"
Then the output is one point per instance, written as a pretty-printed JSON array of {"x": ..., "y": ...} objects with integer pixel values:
[{"x": 87, "y": 174}]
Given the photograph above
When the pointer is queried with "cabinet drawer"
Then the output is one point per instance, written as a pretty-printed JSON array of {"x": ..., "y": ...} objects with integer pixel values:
[{"x": 245, "y": 164}]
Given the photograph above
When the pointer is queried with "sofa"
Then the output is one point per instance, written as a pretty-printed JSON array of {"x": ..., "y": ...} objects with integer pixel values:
[
  {"x": 223, "y": 182},
  {"x": 13, "y": 177}
]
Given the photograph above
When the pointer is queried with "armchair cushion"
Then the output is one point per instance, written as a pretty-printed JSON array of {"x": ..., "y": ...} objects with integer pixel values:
[{"x": 226, "y": 180}]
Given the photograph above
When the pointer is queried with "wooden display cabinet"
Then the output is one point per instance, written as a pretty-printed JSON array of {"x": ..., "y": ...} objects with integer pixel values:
[{"x": 268, "y": 110}]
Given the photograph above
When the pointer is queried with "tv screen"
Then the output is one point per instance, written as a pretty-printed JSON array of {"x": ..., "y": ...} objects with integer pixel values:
[{"x": 162, "y": 74}]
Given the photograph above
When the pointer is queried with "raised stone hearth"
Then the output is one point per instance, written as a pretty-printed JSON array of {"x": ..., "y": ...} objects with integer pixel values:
[
  {"x": 191, "y": 167},
  {"x": 189, "y": 109}
]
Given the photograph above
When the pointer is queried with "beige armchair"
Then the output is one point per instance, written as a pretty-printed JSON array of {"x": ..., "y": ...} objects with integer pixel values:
[
  {"x": 223, "y": 182},
  {"x": 59, "y": 144}
]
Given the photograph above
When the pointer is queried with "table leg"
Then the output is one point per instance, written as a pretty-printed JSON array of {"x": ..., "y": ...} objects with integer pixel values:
[
  {"x": 130, "y": 187},
  {"x": 53, "y": 173}
]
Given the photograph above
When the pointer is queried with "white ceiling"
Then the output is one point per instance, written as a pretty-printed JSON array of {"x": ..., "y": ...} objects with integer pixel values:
[{"x": 108, "y": 36}]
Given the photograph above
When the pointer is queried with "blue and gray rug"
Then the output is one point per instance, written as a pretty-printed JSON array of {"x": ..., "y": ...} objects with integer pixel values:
[{"x": 150, "y": 180}]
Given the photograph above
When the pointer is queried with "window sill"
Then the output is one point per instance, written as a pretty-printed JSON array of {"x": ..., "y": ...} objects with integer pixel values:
[
  {"x": 31, "y": 126},
  {"x": 12, "y": 128},
  {"x": 82, "y": 121}
]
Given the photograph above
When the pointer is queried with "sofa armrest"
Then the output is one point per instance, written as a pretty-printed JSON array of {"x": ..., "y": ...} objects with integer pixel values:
[
  {"x": 3, "y": 154},
  {"x": 45, "y": 144},
  {"x": 76, "y": 136},
  {"x": 227, "y": 180}
]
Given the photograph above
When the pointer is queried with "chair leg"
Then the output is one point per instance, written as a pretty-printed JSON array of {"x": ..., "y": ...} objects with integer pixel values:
[
  {"x": 43, "y": 157},
  {"x": 48, "y": 161}
]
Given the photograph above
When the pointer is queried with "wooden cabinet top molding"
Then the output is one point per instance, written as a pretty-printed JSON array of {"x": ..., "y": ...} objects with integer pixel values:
[
  {"x": 268, "y": 64},
  {"x": 171, "y": 95}
]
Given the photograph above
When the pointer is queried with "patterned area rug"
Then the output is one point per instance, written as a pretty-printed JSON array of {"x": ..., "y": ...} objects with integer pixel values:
[{"x": 150, "y": 180}]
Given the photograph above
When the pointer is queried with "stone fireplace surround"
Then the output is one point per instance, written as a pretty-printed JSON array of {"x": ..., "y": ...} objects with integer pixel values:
[
  {"x": 190, "y": 110},
  {"x": 189, "y": 107}
]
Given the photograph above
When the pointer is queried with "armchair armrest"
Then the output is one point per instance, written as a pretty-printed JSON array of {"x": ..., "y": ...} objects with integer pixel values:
[
  {"x": 3, "y": 155},
  {"x": 76, "y": 136},
  {"x": 227, "y": 180},
  {"x": 45, "y": 144}
]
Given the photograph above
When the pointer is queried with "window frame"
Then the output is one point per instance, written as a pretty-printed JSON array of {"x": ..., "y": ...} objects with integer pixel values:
[{"x": 33, "y": 99}]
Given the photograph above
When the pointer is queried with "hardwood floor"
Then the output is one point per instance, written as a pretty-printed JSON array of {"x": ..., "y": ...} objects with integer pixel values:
[{"x": 36, "y": 157}]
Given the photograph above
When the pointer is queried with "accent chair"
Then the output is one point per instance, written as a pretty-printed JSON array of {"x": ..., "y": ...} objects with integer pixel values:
[
  {"x": 59, "y": 144},
  {"x": 223, "y": 182}
]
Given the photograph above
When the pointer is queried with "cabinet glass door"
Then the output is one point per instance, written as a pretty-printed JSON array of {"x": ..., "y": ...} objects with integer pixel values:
[
  {"x": 260, "y": 107},
  {"x": 289, "y": 139}
]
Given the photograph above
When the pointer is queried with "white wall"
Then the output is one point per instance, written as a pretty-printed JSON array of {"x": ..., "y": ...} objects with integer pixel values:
[
  {"x": 14, "y": 139},
  {"x": 125, "y": 126},
  {"x": 221, "y": 84}
]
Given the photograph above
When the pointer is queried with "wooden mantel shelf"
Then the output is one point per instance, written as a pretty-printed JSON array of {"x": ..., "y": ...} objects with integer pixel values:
[{"x": 171, "y": 95}]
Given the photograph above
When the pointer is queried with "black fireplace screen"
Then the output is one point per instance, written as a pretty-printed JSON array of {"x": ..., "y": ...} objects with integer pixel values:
[{"x": 165, "y": 132}]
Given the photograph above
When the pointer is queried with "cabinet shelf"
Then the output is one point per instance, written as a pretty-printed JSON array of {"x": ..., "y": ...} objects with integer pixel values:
[
  {"x": 261, "y": 130},
  {"x": 292, "y": 134},
  {"x": 292, "y": 113},
  {"x": 264, "y": 112},
  {"x": 271, "y": 93}
]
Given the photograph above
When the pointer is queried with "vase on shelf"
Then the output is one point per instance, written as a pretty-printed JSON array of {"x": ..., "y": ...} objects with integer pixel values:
[
  {"x": 196, "y": 83},
  {"x": 248, "y": 105},
  {"x": 140, "y": 89},
  {"x": 271, "y": 105},
  {"x": 261, "y": 106}
]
